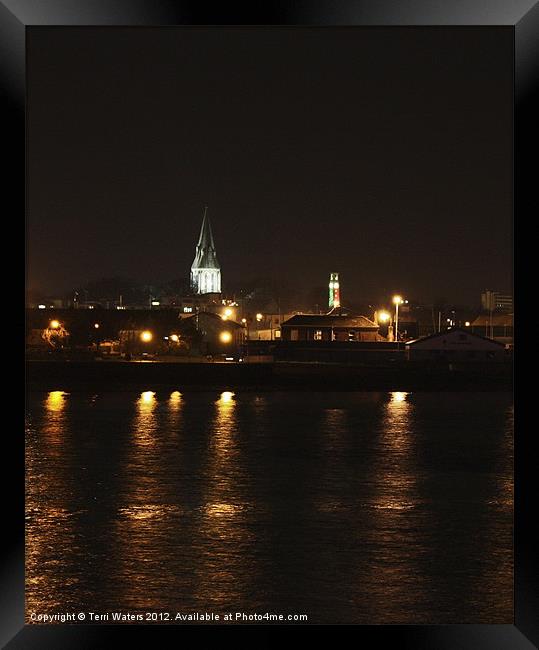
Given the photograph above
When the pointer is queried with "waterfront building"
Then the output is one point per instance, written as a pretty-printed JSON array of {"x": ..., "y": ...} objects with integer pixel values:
[
  {"x": 455, "y": 344},
  {"x": 264, "y": 326},
  {"x": 496, "y": 301},
  {"x": 337, "y": 325},
  {"x": 45, "y": 303},
  {"x": 497, "y": 326},
  {"x": 205, "y": 270},
  {"x": 211, "y": 334}
]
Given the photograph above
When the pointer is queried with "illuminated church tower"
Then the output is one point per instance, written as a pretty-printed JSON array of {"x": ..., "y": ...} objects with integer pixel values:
[
  {"x": 205, "y": 270},
  {"x": 334, "y": 291}
]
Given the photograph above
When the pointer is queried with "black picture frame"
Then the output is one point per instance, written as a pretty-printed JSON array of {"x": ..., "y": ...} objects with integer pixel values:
[{"x": 522, "y": 17}]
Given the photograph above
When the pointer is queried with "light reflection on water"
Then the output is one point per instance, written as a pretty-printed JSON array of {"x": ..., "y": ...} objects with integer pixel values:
[
  {"x": 221, "y": 578},
  {"x": 48, "y": 519},
  {"x": 350, "y": 507},
  {"x": 396, "y": 522},
  {"x": 55, "y": 401},
  {"x": 175, "y": 401},
  {"x": 397, "y": 471},
  {"x": 145, "y": 424},
  {"x": 55, "y": 404},
  {"x": 145, "y": 509}
]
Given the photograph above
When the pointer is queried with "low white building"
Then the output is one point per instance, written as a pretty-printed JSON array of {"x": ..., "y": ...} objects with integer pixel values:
[{"x": 455, "y": 345}]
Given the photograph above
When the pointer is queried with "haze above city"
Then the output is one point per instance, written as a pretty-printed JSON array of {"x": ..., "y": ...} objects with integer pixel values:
[{"x": 389, "y": 162}]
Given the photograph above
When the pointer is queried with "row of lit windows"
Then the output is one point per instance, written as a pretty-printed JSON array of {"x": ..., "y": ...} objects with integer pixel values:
[{"x": 318, "y": 335}]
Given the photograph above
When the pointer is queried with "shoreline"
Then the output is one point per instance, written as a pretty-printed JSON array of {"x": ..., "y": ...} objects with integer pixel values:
[{"x": 133, "y": 375}]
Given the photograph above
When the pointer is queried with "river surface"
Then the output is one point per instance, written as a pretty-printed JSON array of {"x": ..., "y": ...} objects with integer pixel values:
[{"x": 346, "y": 507}]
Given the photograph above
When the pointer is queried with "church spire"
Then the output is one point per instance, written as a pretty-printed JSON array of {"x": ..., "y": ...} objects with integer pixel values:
[
  {"x": 206, "y": 270},
  {"x": 206, "y": 236}
]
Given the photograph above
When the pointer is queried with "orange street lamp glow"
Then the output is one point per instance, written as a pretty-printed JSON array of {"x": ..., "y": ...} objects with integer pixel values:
[
  {"x": 397, "y": 300},
  {"x": 146, "y": 336},
  {"x": 54, "y": 324},
  {"x": 225, "y": 337},
  {"x": 96, "y": 325},
  {"x": 259, "y": 317},
  {"x": 174, "y": 337},
  {"x": 383, "y": 316}
]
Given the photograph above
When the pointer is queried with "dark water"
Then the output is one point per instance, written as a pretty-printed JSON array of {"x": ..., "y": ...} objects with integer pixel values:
[{"x": 347, "y": 507}]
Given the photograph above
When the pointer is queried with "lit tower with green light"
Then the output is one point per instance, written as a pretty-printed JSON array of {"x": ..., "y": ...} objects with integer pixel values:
[{"x": 334, "y": 291}]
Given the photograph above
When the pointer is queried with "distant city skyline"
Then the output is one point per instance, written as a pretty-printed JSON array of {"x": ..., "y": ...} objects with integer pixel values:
[{"x": 377, "y": 161}]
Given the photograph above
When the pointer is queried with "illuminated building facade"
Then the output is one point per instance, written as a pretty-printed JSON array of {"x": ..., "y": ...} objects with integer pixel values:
[
  {"x": 334, "y": 291},
  {"x": 205, "y": 270},
  {"x": 496, "y": 301}
]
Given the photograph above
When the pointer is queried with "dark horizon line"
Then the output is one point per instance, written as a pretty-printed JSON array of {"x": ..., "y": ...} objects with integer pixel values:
[{"x": 442, "y": 302}]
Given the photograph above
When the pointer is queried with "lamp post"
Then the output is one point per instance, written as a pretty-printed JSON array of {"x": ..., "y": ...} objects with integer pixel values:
[
  {"x": 397, "y": 300},
  {"x": 246, "y": 342},
  {"x": 259, "y": 318}
]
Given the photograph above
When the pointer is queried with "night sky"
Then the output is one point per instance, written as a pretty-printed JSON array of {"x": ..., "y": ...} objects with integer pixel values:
[{"x": 382, "y": 154}]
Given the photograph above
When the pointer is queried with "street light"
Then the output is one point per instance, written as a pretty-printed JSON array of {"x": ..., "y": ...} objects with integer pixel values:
[
  {"x": 259, "y": 317},
  {"x": 146, "y": 336},
  {"x": 225, "y": 337},
  {"x": 246, "y": 340},
  {"x": 384, "y": 317},
  {"x": 397, "y": 300},
  {"x": 54, "y": 324}
]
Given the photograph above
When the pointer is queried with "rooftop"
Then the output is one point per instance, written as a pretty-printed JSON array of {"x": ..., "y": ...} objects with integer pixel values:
[
  {"x": 205, "y": 257},
  {"x": 349, "y": 321}
]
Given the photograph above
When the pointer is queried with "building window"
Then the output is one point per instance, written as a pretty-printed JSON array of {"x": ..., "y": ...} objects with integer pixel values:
[
  {"x": 351, "y": 336},
  {"x": 318, "y": 335}
]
